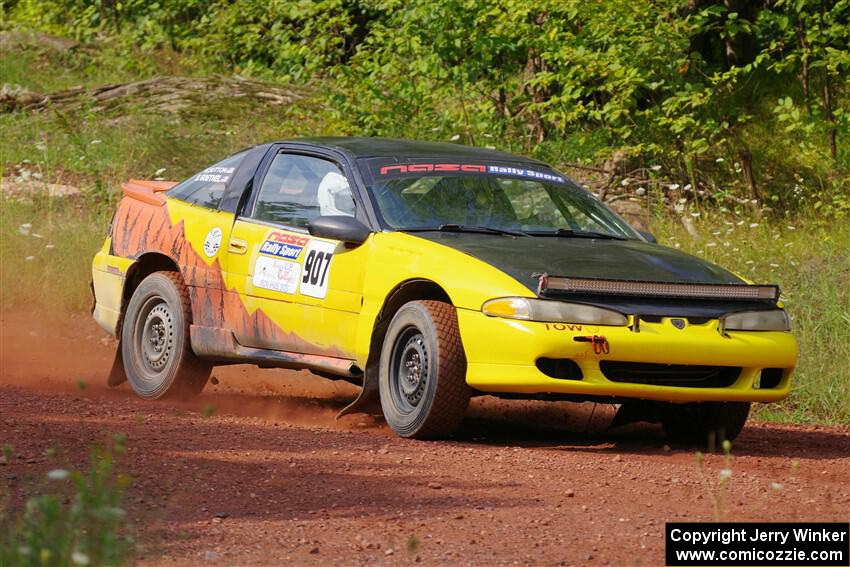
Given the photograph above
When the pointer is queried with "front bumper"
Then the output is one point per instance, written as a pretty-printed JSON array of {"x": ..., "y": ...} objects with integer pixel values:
[{"x": 502, "y": 356}]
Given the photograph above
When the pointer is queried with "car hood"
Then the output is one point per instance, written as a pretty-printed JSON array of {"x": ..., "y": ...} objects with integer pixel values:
[{"x": 584, "y": 257}]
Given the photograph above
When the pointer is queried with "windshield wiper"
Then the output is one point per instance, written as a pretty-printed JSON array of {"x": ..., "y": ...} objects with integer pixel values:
[
  {"x": 570, "y": 233},
  {"x": 449, "y": 227}
]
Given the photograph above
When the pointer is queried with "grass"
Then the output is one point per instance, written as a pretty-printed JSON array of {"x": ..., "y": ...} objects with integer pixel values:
[
  {"x": 74, "y": 519},
  {"x": 809, "y": 257}
]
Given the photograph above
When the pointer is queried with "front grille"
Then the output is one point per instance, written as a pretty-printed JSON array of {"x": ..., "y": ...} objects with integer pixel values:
[{"x": 682, "y": 375}]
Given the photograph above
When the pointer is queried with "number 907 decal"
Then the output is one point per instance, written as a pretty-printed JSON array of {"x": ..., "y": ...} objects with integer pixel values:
[{"x": 317, "y": 268}]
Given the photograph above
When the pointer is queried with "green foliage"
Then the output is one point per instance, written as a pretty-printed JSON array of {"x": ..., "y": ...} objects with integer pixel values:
[
  {"x": 57, "y": 530},
  {"x": 666, "y": 82}
]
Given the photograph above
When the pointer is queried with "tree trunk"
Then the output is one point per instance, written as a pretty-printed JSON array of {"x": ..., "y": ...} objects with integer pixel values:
[
  {"x": 827, "y": 110},
  {"x": 747, "y": 166},
  {"x": 804, "y": 58}
]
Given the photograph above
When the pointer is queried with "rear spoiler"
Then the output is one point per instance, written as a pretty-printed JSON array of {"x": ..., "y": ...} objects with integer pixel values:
[
  {"x": 147, "y": 191},
  {"x": 553, "y": 286}
]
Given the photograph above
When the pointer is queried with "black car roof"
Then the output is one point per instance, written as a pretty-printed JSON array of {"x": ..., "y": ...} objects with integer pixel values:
[{"x": 362, "y": 147}]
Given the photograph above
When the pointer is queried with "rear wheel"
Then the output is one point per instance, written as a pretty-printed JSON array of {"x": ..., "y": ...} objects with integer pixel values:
[
  {"x": 155, "y": 346},
  {"x": 422, "y": 380},
  {"x": 705, "y": 422}
]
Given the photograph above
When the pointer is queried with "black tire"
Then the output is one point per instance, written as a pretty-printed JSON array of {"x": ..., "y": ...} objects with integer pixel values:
[
  {"x": 422, "y": 379},
  {"x": 705, "y": 422},
  {"x": 155, "y": 345}
]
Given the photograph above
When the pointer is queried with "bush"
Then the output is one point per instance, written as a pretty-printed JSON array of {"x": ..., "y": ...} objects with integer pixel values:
[{"x": 76, "y": 521}]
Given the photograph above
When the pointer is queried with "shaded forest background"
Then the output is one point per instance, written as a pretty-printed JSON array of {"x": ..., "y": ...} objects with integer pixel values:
[{"x": 735, "y": 102}]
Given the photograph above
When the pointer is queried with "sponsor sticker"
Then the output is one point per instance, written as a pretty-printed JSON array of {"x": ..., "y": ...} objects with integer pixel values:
[
  {"x": 213, "y": 242},
  {"x": 288, "y": 251},
  {"x": 492, "y": 169},
  {"x": 215, "y": 174},
  {"x": 277, "y": 275}
]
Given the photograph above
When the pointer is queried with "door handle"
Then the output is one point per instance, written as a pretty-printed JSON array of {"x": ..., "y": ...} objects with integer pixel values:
[{"x": 237, "y": 246}]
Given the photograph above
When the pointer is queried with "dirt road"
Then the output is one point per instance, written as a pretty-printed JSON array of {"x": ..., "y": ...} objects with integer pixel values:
[{"x": 271, "y": 478}]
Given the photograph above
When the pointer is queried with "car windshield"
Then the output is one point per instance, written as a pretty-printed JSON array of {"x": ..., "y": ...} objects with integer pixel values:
[{"x": 497, "y": 200}]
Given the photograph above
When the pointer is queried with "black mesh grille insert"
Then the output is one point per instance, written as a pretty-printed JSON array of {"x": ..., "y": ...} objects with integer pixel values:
[{"x": 683, "y": 375}]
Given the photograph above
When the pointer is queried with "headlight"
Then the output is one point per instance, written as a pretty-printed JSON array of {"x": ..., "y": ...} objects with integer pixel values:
[
  {"x": 769, "y": 320},
  {"x": 552, "y": 312}
]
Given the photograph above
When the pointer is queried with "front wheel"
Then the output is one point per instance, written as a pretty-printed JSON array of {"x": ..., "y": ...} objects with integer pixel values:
[
  {"x": 155, "y": 346},
  {"x": 711, "y": 422},
  {"x": 422, "y": 380}
]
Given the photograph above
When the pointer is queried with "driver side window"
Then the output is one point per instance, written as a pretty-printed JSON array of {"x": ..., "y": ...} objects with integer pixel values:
[{"x": 299, "y": 188}]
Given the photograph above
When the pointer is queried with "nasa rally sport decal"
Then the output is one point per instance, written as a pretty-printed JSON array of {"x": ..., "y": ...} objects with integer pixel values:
[
  {"x": 317, "y": 268},
  {"x": 277, "y": 275},
  {"x": 212, "y": 242},
  {"x": 283, "y": 245}
]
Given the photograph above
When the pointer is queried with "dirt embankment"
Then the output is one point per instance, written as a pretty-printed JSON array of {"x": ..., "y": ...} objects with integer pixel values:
[{"x": 272, "y": 478}]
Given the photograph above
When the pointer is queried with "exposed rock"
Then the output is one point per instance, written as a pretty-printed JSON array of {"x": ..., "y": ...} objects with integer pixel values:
[
  {"x": 17, "y": 39},
  {"x": 166, "y": 95}
]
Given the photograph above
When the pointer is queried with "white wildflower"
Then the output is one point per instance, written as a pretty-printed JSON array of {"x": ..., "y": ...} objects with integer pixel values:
[
  {"x": 788, "y": 244},
  {"x": 683, "y": 200},
  {"x": 58, "y": 474},
  {"x": 725, "y": 473},
  {"x": 624, "y": 183},
  {"x": 673, "y": 186},
  {"x": 711, "y": 244},
  {"x": 739, "y": 223},
  {"x": 41, "y": 146},
  {"x": 79, "y": 558},
  {"x": 789, "y": 227},
  {"x": 754, "y": 225},
  {"x": 716, "y": 233},
  {"x": 29, "y": 258},
  {"x": 774, "y": 265},
  {"x": 25, "y": 228},
  {"x": 640, "y": 191},
  {"x": 655, "y": 167},
  {"x": 749, "y": 262},
  {"x": 688, "y": 187},
  {"x": 678, "y": 245},
  {"x": 455, "y": 138},
  {"x": 695, "y": 214},
  {"x": 719, "y": 160},
  {"x": 82, "y": 158}
]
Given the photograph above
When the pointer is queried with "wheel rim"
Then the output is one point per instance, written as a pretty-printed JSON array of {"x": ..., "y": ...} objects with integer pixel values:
[
  {"x": 409, "y": 369},
  {"x": 155, "y": 338}
]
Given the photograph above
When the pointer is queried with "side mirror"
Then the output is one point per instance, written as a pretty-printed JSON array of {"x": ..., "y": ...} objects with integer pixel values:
[
  {"x": 648, "y": 236},
  {"x": 339, "y": 227}
]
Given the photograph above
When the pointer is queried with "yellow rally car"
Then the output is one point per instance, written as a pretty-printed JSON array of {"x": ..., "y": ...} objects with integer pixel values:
[{"x": 429, "y": 273}]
